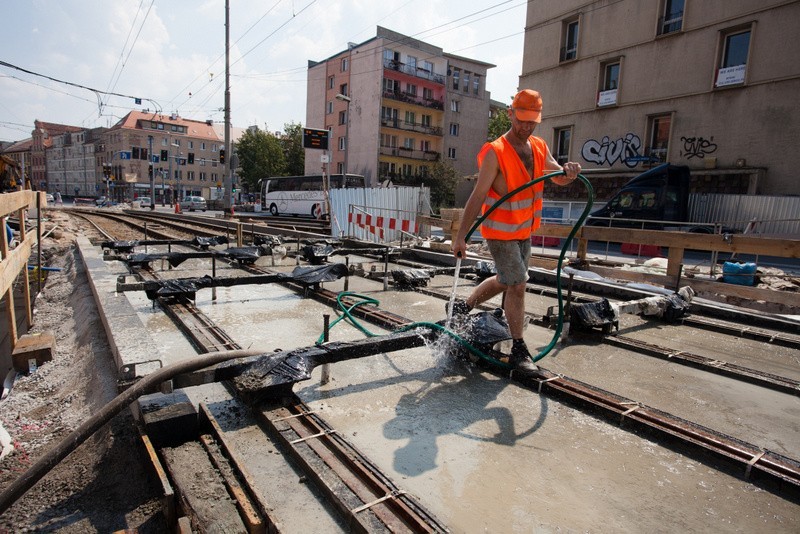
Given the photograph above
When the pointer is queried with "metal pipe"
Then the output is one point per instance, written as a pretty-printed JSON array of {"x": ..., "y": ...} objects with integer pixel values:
[{"x": 54, "y": 456}]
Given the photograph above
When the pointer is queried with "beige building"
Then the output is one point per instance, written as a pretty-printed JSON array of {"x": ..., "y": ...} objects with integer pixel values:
[
  {"x": 185, "y": 155},
  {"x": 70, "y": 162},
  {"x": 394, "y": 105},
  {"x": 711, "y": 85}
]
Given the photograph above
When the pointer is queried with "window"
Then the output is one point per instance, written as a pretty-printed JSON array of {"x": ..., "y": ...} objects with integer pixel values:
[
  {"x": 388, "y": 140},
  {"x": 476, "y": 85},
  {"x": 659, "y": 130},
  {"x": 426, "y": 121},
  {"x": 427, "y": 93},
  {"x": 733, "y": 63},
  {"x": 427, "y": 66},
  {"x": 329, "y": 108},
  {"x": 391, "y": 86},
  {"x": 344, "y": 64},
  {"x": 456, "y": 78},
  {"x": 411, "y": 61},
  {"x": 190, "y": 176},
  {"x": 672, "y": 18},
  {"x": 343, "y": 117},
  {"x": 342, "y": 143},
  {"x": 203, "y": 145},
  {"x": 451, "y": 152},
  {"x": 563, "y": 137},
  {"x": 454, "y": 106},
  {"x": 424, "y": 145},
  {"x": 331, "y": 82},
  {"x": 408, "y": 170},
  {"x": 340, "y": 168},
  {"x": 389, "y": 116},
  {"x": 453, "y": 128},
  {"x": 466, "y": 81},
  {"x": 570, "y": 49},
  {"x": 411, "y": 89},
  {"x": 607, "y": 96},
  {"x": 408, "y": 143},
  {"x": 410, "y": 118},
  {"x": 343, "y": 89}
]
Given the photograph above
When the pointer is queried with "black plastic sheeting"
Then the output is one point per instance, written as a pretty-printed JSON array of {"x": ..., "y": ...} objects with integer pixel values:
[
  {"x": 187, "y": 287},
  {"x": 592, "y": 314},
  {"x": 128, "y": 246},
  {"x": 482, "y": 330},
  {"x": 410, "y": 278}
]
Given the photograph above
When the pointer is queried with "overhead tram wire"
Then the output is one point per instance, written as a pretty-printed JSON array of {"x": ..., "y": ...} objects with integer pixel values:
[
  {"x": 124, "y": 63},
  {"x": 222, "y": 55},
  {"x": 97, "y": 92}
]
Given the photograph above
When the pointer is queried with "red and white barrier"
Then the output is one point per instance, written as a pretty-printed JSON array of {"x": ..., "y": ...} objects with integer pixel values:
[{"x": 377, "y": 224}]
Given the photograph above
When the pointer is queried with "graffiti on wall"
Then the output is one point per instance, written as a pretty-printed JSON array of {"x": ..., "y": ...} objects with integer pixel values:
[
  {"x": 698, "y": 147},
  {"x": 607, "y": 152}
]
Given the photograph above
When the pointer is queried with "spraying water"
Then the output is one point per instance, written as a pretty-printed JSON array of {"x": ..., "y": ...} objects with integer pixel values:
[{"x": 453, "y": 292}]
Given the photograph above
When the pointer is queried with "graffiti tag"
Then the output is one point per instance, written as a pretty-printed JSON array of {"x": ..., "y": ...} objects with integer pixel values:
[
  {"x": 697, "y": 147},
  {"x": 606, "y": 152}
]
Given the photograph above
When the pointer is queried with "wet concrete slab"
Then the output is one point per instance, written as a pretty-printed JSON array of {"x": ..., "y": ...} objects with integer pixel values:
[{"x": 484, "y": 454}]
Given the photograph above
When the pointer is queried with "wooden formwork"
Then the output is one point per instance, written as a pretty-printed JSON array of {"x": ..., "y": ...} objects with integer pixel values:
[{"x": 14, "y": 264}]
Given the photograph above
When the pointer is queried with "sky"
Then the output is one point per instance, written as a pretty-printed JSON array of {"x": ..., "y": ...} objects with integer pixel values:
[{"x": 87, "y": 60}]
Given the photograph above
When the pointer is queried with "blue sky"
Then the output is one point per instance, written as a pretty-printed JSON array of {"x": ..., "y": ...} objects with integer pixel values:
[{"x": 170, "y": 53}]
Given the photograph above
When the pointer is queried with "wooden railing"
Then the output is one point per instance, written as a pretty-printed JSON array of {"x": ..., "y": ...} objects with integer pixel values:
[{"x": 15, "y": 261}]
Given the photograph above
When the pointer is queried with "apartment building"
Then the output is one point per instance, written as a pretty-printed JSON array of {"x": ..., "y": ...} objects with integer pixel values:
[
  {"x": 630, "y": 83},
  {"x": 70, "y": 161},
  {"x": 185, "y": 155},
  {"x": 393, "y": 106},
  {"x": 42, "y": 140}
]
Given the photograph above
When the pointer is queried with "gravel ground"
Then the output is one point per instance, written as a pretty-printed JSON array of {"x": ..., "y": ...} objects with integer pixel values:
[{"x": 103, "y": 486}]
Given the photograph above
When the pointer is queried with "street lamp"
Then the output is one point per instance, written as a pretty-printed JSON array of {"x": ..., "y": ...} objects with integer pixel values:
[{"x": 347, "y": 99}]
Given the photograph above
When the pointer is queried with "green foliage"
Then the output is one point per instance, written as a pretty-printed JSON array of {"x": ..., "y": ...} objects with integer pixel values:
[
  {"x": 498, "y": 125},
  {"x": 293, "y": 152},
  {"x": 443, "y": 185},
  {"x": 260, "y": 156}
]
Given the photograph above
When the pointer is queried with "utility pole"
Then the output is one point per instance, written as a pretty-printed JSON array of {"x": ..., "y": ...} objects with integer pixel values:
[
  {"x": 151, "y": 170},
  {"x": 226, "y": 178}
]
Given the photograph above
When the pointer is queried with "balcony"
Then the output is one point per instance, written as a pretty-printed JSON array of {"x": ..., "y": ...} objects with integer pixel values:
[
  {"x": 408, "y": 98},
  {"x": 417, "y": 72},
  {"x": 411, "y": 126},
  {"x": 401, "y": 152}
]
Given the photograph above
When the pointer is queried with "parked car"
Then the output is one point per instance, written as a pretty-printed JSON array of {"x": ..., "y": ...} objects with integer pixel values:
[
  {"x": 193, "y": 203},
  {"x": 144, "y": 202},
  {"x": 50, "y": 198}
]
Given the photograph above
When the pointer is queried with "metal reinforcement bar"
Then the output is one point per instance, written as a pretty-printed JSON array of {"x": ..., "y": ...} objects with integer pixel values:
[
  {"x": 745, "y": 374},
  {"x": 370, "y": 501},
  {"x": 754, "y": 463}
]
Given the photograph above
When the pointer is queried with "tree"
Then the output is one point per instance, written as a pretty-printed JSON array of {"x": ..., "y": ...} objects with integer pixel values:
[
  {"x": 292, "y": 143},
  {"x": 444, "y": 179},
  {"x": 260, "y": 156},
  {"x": 498, "y": 125}
]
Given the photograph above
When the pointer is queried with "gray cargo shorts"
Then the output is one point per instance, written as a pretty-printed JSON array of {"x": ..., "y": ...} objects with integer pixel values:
[{"x": 510, "y": 260}]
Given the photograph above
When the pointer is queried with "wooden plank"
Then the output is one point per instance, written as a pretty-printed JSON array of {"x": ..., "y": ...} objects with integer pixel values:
[
  {"x": 10, "y": 268},
  {"x": 787, "y": 300},
  {"x": 785, "y": 248},
  {"x": 11, "y": 202}
]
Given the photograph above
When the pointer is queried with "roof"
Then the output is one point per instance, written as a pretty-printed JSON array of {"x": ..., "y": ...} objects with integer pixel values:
[
  {"x": 194, "y": 128},
  {"x": 19, "y": 146}
]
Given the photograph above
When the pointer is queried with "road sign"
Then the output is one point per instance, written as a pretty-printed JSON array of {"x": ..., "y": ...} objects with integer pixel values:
[
  {"x": 124, "y": 155},
  {"x": 315, "y": 138}
]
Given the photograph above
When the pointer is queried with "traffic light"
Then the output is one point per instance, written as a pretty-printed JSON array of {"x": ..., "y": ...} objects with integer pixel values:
[
  {"x": 222, "y": 155},
  {"x": 107, "y": 170},
  {"x": 164, "y": 155},
  {"x": 150, "y": 170},
  {"x": 191, "y": 158}
]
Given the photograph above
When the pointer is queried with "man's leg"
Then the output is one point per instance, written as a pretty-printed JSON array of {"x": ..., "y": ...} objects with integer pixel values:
[{"x": 515, "y": 310}]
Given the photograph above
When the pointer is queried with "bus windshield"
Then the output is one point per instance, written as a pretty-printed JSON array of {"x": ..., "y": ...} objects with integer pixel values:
[{"x": 302, "y": 195}]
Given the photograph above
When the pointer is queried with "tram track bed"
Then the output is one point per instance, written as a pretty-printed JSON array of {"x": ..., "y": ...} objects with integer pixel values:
[{"x": 480, "y": 451}]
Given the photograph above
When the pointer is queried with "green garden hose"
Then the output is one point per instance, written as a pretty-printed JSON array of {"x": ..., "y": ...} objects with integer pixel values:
[{"x": 433, "y": 326}]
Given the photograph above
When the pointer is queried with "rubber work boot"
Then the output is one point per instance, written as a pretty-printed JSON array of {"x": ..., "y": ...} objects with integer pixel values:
[
  {"x": 520, "y": 359},
  {"x": 460, "y": 308}
]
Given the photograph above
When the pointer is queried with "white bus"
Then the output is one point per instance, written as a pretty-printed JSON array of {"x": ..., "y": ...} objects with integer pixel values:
[{"x": 302, "y": 195}]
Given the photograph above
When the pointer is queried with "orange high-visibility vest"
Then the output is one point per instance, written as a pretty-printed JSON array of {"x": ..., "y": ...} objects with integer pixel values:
[{"x": 521, "y": 214}]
